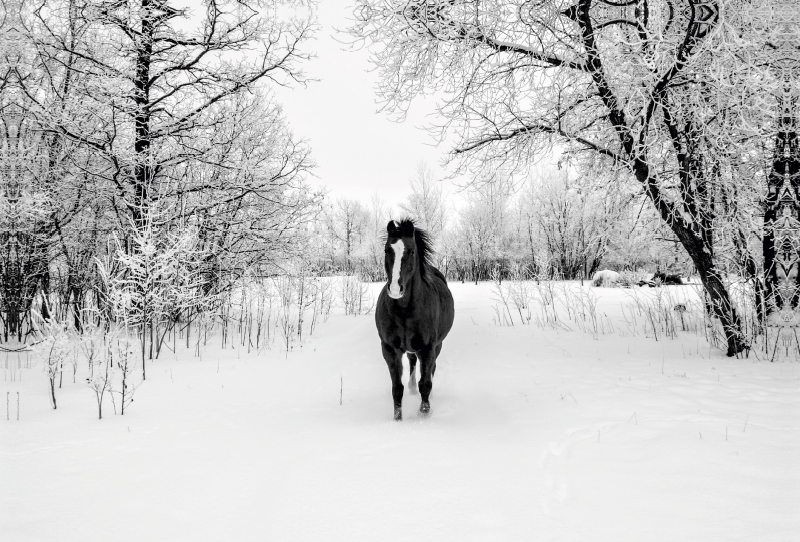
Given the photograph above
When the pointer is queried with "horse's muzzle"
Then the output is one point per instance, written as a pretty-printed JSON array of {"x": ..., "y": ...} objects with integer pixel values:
[{"x": 395, "y": 294}]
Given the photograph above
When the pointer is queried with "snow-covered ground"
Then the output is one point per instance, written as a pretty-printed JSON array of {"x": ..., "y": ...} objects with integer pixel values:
[{"x": 535, "y": 434}]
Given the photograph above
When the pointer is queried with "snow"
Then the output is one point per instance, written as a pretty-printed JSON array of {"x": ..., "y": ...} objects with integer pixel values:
[
  {"x": 605, "y": 276},
  {"x": 535, "y": 434}
]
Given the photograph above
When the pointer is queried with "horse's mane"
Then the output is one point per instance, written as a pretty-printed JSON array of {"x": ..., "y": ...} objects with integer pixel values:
[{"x": 423, "y": 242}]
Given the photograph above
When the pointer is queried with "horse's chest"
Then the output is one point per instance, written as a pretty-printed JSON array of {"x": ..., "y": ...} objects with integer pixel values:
[{"x": 408, "y": 335}]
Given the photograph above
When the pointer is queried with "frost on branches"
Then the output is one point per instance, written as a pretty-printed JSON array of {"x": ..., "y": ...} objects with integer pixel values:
[
  {"x": 158, "y": 276},
  {"x": 648, "y": 88}
]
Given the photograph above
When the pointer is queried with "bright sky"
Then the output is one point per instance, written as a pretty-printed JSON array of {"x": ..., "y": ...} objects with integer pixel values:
[{"x": 358, "y": 150}]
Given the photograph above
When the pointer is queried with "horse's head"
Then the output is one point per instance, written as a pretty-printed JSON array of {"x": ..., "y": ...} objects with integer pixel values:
[{"x": 401, "y": 258}]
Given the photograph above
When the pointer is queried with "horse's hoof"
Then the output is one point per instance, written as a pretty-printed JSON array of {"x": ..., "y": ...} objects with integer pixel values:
[
  {"x": 398, "y": 414},
  {"x": 425, "y": 408}
]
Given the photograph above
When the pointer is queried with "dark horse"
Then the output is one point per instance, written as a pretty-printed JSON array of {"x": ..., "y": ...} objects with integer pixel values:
[{"x": 414, "y": 312}]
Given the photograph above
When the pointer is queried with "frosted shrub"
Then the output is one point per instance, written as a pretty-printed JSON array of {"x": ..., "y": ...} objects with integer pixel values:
[
  {"x": 314, "y": 294},
  {"x": 286, "y": 307},
  {"x": 101, "y": 371},
  {"x": 629, "y": 279},
  {"x": 285, "y": 288},
  {"x": 516, "y": 292},
  {"x": 546, "y": 294},
  {"x": 162, "y": 277},
  {"x": 323, "y": 299},
  {"x": 502, "y": 295},
  {"x": 122, "y": 350},
  {"x": 354, "y": 295},
  {"x": 53, "y": 351},
  {"x": 520, "y": 291},
  {"x": 663, "y": 314},
  {"x": 605, "y": 279},
  {"x": 586, "y": 316}
]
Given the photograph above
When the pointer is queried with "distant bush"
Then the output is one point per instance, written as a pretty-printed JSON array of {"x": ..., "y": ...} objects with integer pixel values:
[{"x": 605, "y": 278}]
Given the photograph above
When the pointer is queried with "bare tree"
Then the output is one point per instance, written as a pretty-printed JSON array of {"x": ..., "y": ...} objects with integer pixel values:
[
  {"x": 574, "y": 219},
  {"x": 347, "y": 223},
  {"x": 426, "y": 204},
  {"x": 122, "y": 106},
  {"x": 375, "y": 236},
  {"x": 481, "y": 236},
  {"x": 164, "y": 78}
]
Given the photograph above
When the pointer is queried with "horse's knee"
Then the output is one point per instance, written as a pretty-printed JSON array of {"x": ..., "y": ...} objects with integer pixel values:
[{"x": 389, "y": 352}]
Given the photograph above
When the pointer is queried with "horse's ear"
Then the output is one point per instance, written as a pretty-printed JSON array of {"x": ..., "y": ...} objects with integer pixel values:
[
  {"x": 408, "y": 229},
  {"x": 391, "y": 228}
]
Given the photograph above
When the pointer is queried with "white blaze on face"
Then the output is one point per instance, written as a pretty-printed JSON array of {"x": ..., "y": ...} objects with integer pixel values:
[{"x": 394, "y": 283}]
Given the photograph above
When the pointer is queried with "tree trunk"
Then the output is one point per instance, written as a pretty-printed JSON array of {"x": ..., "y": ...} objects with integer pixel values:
[
  {"x": 142, "y": 171},
  {"x": 702, "y": 258},
  {"x": 712, "y": 282},
  {"x": 53, "y": 390},
  {"x": 144, "y": 346}
]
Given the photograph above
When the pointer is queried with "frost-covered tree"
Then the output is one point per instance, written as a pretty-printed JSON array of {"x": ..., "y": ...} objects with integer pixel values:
[
  {"x": 154, "y": 282},
  {"x": 426, "y": 203},
  {"x": 480, "y": 240},
  {"x": 574, "y": 219},
  {"x": 378, "y": 216},
  {"x": 53, "y": 350},
  {"x": 346, "y": 220},
  {"x": 615, "y": 83},
  {"x": 165, "y": 78},
  {"x": 117, "y": 107}
]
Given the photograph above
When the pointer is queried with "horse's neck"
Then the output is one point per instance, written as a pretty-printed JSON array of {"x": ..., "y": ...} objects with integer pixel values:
[{"x": 418, "y": 285}]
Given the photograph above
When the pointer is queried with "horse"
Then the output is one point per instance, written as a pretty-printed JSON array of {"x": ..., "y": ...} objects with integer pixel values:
[{"x": 415, "y": 311}]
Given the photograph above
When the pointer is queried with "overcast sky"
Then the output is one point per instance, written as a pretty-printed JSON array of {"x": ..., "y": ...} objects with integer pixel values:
[{"x": 359, "y": 151}]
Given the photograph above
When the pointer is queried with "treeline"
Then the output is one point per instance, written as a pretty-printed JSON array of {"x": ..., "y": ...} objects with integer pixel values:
[{"x": 553, "y": 224}]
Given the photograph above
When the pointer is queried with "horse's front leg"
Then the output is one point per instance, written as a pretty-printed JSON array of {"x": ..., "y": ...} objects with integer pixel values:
[
  {"x": 427, "y": 359},
  {"x": 394, "y": 360}
]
